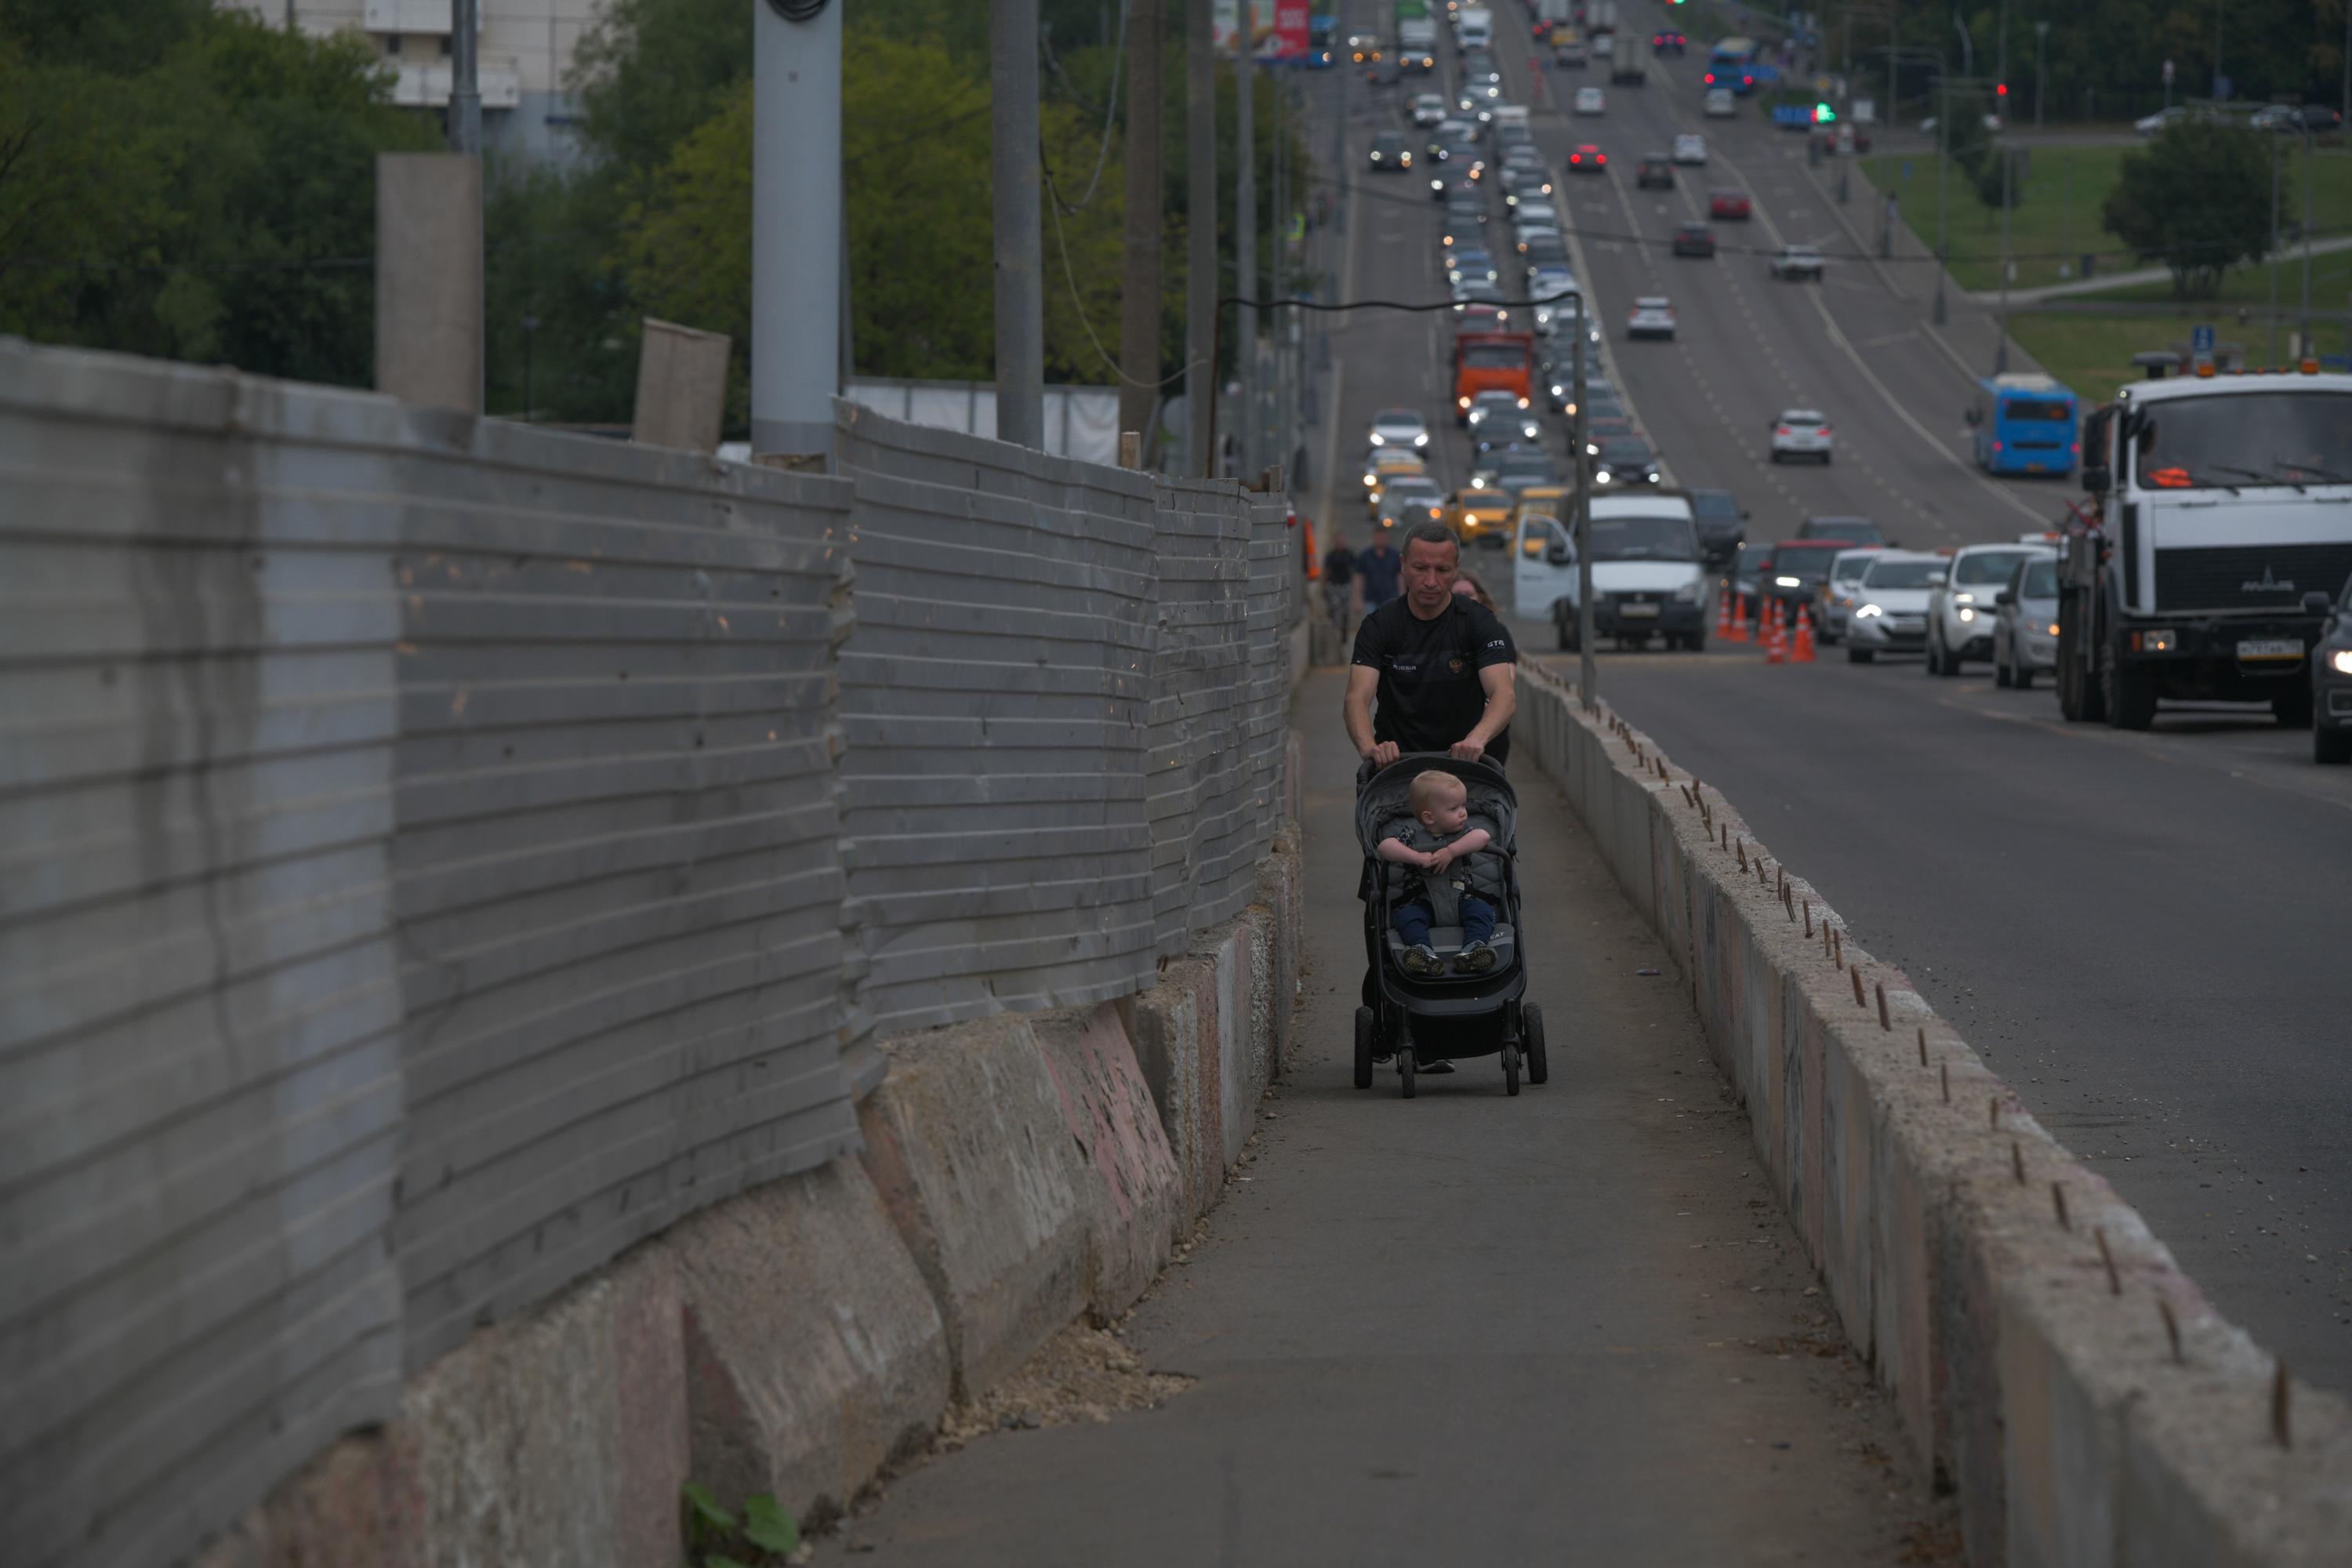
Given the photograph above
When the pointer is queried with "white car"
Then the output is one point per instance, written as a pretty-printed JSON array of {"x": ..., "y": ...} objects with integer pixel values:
[
  {"x": 1689, "y": 148},
  {"x": 1890, "y": 606},
  {"x": 1960, "y": 610},
  {"x": 1591, "y": 100},
  {"x": 1428, "y": 110},
  {"x": 1796, "y": 263},
  {"x": 1801, "y": 432},
  {"x": 1720, "y": 104},
  {"x": 1604, "y": 46},
  {"x": 1651, "y": 316},
  {"x": 1841, "y": 590},
  {"x": 1403, "y": 428}
]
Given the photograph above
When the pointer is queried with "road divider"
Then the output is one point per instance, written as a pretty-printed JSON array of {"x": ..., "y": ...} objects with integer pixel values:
[{"x": 2049, "y": 1358}]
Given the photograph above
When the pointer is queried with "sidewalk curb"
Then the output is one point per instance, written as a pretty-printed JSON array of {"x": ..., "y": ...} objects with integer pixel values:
[{"x": 2050, "y": 1402}]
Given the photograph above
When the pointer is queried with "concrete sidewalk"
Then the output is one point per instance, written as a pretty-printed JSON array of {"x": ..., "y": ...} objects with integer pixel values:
[{"x": 1468, "y": 1328}]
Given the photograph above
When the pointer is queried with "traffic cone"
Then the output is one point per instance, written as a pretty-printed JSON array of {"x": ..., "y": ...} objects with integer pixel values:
[
  {"x": 1775, "y": 650},
  {"x": 1723, "y": 615},
  {"x": 1739, "y": 632},
  {"x": 1802, "y": 652}
]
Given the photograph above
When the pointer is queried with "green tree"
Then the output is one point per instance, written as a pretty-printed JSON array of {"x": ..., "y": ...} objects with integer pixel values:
[{"x": 2198, "y": 200}]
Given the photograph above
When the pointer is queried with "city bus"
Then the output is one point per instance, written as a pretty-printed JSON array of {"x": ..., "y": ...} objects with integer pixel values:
[
  {"x": 2024, "y": 423},
  {"x": 1322, "y": 39},
  {"x": 1732, "y": 63}
]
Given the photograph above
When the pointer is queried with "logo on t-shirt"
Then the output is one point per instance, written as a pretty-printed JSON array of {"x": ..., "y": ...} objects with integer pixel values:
[{"x": 1454, "y": 665}]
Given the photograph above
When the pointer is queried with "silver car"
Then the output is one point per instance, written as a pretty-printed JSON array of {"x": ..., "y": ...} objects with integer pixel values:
[
  {"x": 1840, "y": 591},
  {"x": 2025, "y": 623},
  {"x": 1891, "y": 612}
]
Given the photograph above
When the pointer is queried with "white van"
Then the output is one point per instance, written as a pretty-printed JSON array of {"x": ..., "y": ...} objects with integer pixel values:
[
  {"x": 1649, "y": 577},
  {"x": 1474, "y": 27}
]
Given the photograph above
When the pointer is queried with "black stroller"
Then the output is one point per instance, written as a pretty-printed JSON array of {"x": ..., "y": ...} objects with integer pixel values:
[{"x": 1422, "y": 1019}]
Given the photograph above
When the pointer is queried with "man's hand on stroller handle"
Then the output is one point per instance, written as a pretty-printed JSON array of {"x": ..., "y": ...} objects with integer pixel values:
[{"x": 1383, "y": 752}]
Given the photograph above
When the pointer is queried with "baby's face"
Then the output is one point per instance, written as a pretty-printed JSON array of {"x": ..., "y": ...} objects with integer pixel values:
[{"x": 1447, "y": 813}]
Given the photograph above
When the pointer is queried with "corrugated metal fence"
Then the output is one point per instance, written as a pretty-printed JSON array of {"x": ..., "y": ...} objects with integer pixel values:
[{"x": 435, "y": 854}]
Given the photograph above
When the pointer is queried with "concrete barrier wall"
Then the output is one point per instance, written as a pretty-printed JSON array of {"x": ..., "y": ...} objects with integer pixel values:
[
  {"x": 2042, "y": 1386},
  {"x": 429, "y": 870}
]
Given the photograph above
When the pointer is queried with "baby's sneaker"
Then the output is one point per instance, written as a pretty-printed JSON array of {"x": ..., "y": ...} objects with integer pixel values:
[
  {"x": 1422, "y": 959},
  {"x": 1475, "y": 959}
]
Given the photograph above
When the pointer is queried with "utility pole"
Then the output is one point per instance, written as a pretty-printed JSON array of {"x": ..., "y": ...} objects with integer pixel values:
[
  {"x": 2001, "y": 68},
  {"x": 2303, "y": 327},
  {"x": 1943, "y": 193},
  {"x": 2219, "y": 8},
  {"x": 465, "y": 78},
  {"x": 1201, "y": 243},
  {"x": 2008, "y": 199},
  {"x": 2273, "y": 358},
  {"x": 2041, "y": 66},
  {"x": 1139, "y": 319},
  {"x": 1587, "y": 672},
  {"x": 1019, "y": 236},
  {"x": 1247, "y": 430},
  {"x": 797, "y": 179}
]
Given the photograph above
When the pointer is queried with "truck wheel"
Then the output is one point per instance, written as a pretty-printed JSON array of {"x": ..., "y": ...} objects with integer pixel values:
[
  {"x": 1860, "y": 655},
  {"x": 1999, "y": 670},
  {"x": 2292, "y": 709},
  {"x": 2332, "y": 747},
  {"x": 2021, "y": 678},
  {"x": 2128, "y": 694}
]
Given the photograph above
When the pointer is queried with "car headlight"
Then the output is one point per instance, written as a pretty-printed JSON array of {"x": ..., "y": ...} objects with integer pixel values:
[
  {"x": 1559, "y": 391},
  {"x": 1421, "y": 439},
  {"x": 2340, "y": 660},
  {"x": 1688, "y": 593},
  {"x": 1651, "y": 475},
  {"x": 1379, "y": 440},
  {"x": 1601, "y": 478},
  {"x": 1967, "y": 614},
  {"x": 1867, "y": 611},
  {"x": 1370, "y": 480},
  {"x": 1461, "y": 403},
  {"x": 2054, "y": 632},
  {"x": 1592, "y": 451},
  {"x": 1787, "y": 581}
]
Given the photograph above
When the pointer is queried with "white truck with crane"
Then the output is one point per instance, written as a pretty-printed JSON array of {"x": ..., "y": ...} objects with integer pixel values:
[{"x": 2218, "y": 505}]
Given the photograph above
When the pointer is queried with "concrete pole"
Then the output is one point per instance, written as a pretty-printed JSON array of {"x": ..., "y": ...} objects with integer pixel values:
[
  {"x": 1138, "y": 322},
  {"x": 1587, "y": 672},
  {"x": 797, "y": 179},
  {"x": 2273, "y": 358},
  {"x": 1249, "y": 426},
  {"x": 2303, "y": 326},
  {"x": 1943, "y": 194},
  {"x": 2219, "y": 8},
  {"x": 2008, "y": 200},
  {"x": 1201, "y": 244},
  {"x": 1020, "y": 234},
  {"x": 465, "y": 86},
  {"x": 1278, "y": 319},
  {"x": 428, "y": 279},
  {"x": 2041, "y": 66}
]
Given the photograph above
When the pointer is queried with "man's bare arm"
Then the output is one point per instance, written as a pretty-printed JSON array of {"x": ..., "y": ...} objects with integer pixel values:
[
  {"x": 1499, "y": 682},
  {"x": 1363, "y": 682}
]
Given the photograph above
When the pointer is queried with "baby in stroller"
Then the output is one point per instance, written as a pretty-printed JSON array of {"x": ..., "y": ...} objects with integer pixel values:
[{"x": 1438, "y": 845}]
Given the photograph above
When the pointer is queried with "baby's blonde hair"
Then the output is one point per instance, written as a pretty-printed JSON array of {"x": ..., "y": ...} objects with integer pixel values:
[{"x": 1431, "y": 787}]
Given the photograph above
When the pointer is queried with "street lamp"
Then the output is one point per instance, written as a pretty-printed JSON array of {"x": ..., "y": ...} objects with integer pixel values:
[{"x": 2040, "y": 62}]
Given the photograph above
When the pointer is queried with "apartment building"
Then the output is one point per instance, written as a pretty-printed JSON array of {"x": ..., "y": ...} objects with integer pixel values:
[{"x": 526, "y": 48}]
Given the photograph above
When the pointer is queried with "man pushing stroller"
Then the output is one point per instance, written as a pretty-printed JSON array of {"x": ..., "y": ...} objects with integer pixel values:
[{"x": 1439, "y": 665}]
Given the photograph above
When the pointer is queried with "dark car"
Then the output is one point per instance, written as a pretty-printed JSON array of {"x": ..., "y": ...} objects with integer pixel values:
[
  {"x": 1670, "y": 43},
  {"x": 1655, "y": 169},
  {"x": 2331, "y": 678},
  {"x": 1588, "y": 158},
  {"x": 1794, "y": 570},
  {"x": 1730, "y": 205},
  {"x": 1722, "y": 525},
  {"x": 1520, "y": 469},
  {"x": 1389, "y": 153},
  {"x": 1625, "y": 461},
  {"x": 1384, "y": 72},
  {"x": 1463, "y": 208},
  {"x": 1694, "y": 239},
  {"x": 1852, "y": 530},
  {"x": 1601, "y": 429},
  {"x": 2320, "y": 118}
]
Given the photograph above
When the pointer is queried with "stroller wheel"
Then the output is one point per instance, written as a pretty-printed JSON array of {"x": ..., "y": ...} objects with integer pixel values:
[
  {"x": 1364, "y": 1030},
  {"x": 1404, "y": 1069},
  {"x": 1510, "y": 1068},
  {"x": 1531, "y": 1035}
]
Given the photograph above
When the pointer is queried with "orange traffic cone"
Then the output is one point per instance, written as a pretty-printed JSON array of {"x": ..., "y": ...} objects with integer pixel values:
[
  {"x": 1803, "y": 651},
  {"x": 1739, "y": 632},
  {"x": 1776, "y": 651},
  {"x": 1723, "y": 615}
]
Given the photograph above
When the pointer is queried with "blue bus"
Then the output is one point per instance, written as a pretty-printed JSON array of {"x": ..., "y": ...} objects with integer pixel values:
[
  {"x": 2024, "y": 423},
  {"x": 1322, "y": 33},
  {"x": 1736, "y": 63}
]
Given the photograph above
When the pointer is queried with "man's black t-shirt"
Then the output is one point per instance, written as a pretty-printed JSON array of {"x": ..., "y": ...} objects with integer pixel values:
[{"x": 1429, "y": 694}]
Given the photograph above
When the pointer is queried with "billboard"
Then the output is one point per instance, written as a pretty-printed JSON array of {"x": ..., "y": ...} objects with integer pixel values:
[{"x": 1277, "y": 29}]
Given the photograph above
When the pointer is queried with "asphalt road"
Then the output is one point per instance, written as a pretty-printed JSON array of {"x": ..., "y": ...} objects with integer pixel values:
[
  {"x": 2144, "y": 933},
  {"x": 1568, "y": 1327}
]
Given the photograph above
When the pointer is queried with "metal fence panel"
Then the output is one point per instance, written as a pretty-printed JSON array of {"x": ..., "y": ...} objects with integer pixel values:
[
  {"x": 619, "y": 887},
  {"x": 992, "y": 701},
  {"x": 200, "y": 1094}
]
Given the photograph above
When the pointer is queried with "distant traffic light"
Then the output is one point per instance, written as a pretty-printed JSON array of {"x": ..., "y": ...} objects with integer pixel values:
[
  {"x": 1824, "y": 114},
  {"x": 2001, "y": 89}
]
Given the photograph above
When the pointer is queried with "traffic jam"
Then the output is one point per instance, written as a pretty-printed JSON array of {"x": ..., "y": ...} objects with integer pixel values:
[{"x": 2200, "y": 543}]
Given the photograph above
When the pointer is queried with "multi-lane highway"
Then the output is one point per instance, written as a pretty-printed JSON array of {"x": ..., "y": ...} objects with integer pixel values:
[{"x": 2145, "y": 932}]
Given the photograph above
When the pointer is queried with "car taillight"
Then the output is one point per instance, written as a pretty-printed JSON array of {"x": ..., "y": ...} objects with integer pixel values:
[
  {"x": 1782, "y": 430},
  {"x": 1996, "y": 445}
]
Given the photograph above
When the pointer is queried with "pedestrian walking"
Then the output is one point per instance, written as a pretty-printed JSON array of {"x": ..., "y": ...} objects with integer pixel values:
[
  {"x": 1377, "y": 566},
  {"x": 1339, "y": 585}
]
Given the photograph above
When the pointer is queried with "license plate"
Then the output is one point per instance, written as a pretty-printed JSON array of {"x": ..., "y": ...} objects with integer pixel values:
[
  {"x": 1637, "y": 612},
  {"x": 2270, "y": 647},
  {"x": 2037, "y": 468}
]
